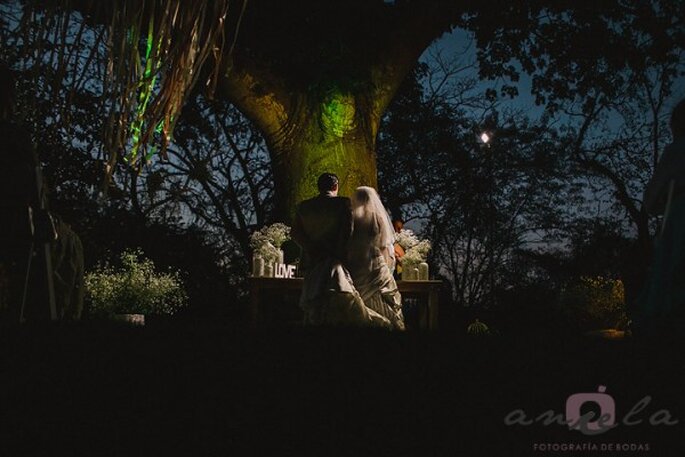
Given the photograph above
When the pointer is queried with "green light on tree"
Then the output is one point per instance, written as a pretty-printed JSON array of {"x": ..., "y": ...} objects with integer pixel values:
[{"x": 337, "y": 114}]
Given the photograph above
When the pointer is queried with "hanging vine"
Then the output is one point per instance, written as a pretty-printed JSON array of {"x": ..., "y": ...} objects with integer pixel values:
[{"x": 148, "y": 55}]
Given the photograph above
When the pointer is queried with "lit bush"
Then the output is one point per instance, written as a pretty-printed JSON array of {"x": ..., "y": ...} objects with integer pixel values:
[
  {"x": 135, "y": 288},
  {"x": 594, "y": 303},
  {"x": 477, "y": 328}
]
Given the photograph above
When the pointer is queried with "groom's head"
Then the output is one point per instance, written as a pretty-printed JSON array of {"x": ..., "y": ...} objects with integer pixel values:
[{"x": 328, "y": 182}]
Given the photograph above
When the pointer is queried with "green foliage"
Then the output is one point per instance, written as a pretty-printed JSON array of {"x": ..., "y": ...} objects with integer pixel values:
[
  {"x": 137, "y": 287},
  {"x": 592, "y": 303},
  {"x": 477, "y": 328},
  {"x": 573, "y": 51}
]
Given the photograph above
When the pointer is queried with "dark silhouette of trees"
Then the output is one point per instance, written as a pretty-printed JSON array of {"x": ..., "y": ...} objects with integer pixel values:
[
  {"x": 478, "y": 203},
  {"x": 139, "y": 211},
  {"x": 606, "y": 71},
  {"x": 316, "y": 77},
  {"x": 218, "y": 175}
]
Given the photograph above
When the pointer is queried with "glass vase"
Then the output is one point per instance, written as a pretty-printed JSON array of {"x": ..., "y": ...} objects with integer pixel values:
[{"x": 423, "y": 271}]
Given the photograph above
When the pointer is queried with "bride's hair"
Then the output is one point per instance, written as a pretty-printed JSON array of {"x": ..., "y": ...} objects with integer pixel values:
[{"x": 367, "y": 204}]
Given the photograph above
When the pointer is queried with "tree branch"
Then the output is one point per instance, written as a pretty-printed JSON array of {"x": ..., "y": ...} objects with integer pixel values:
[
  {"x": 418, "y": 26},
  {"x": 258, "y": 94}
]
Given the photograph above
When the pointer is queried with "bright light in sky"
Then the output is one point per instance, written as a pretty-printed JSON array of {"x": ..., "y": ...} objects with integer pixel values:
[{"x": 485, "y": 138}]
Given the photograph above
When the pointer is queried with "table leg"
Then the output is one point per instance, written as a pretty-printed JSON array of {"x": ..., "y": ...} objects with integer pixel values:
[
  {"x": 423, "y": 312},
  {"x": 254, "y": 303},
  {"x": 433, "y": 306}
]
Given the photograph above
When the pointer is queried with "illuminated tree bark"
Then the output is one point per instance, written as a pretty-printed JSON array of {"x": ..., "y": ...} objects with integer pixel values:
[
  {"x": 336, "y": 134},
  {"x": 327, "y": 139},
  {"x": 333, "y": 127}
]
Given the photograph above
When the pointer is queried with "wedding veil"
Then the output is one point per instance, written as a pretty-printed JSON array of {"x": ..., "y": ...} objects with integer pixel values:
[{"x": 367, "y": 204}]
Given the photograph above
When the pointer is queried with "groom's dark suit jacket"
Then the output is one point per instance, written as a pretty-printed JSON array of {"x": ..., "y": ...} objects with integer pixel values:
[{"x": 322, "y": 227}]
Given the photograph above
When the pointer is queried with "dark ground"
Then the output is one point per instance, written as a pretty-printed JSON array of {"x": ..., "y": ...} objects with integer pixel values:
[{"x": 209, "y": 388}]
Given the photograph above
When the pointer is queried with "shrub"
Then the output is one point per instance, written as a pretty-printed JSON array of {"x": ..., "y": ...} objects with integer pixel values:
[
  {"x": 594, "y": 303},
  {"x": 477, "y": 328},
  {"x": 134, "y": 288}
]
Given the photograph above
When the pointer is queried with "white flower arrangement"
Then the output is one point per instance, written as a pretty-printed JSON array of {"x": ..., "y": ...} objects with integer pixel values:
[
  {"x": 136, "y": 287},
  {"x": 415, "y": 250},
  {"x": 407, "y": 239},
  {"x": 267, "y": 241}
]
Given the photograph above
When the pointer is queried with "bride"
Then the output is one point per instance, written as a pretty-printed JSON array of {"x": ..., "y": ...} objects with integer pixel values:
[{"x": 371, "y": 256}]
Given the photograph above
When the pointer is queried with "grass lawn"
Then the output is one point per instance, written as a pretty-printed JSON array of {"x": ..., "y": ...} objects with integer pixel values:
[{"x": 208, "y": 387}]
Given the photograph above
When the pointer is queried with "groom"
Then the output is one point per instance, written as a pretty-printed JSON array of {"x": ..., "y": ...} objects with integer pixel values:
[{"x": 322, "y": 227}]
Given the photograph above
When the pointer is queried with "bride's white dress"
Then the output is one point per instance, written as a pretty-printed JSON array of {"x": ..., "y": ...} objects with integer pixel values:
[
  {"x": 370, "y": 264},
  {"x": 322, "y": 226},
  {"x": 330, "y": 298}
]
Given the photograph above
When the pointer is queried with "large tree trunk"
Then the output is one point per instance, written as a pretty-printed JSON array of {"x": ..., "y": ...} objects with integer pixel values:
[
  {"x": 330, "y": 136},
  {"x": 309, "y": 135},
  {"x": 311, "y": 124}
]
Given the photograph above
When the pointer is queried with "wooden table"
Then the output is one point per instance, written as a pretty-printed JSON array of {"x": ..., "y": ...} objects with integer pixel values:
[{"x": 428, "y": 312}]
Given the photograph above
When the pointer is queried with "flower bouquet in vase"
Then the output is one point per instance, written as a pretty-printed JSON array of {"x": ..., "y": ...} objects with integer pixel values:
[
  {"x": 414, "y": 265},
  {"x": 266, "y": 248}
]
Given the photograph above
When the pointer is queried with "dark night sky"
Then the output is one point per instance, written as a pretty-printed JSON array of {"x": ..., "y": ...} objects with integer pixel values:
[{"x": 459, "y": 39}]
